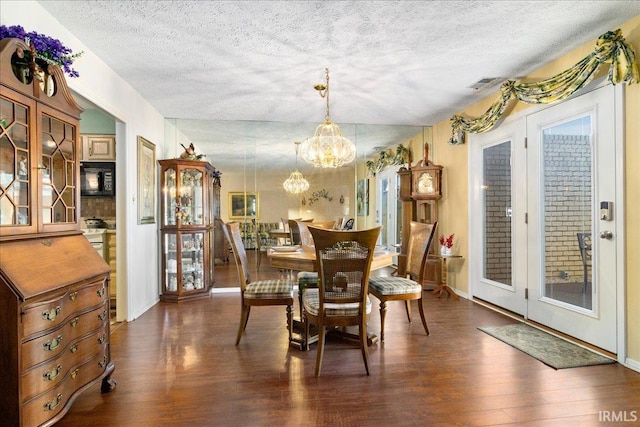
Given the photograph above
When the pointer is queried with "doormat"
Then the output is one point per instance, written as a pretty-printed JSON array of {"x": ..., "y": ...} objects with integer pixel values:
[{"x": 549, "y": 349}]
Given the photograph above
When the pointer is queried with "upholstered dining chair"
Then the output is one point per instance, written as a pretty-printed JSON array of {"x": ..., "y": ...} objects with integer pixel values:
[
  {"x": 259, "y": 293},
  {"x": 341, "y": 299},
  {"x": 406, "y": 288}
]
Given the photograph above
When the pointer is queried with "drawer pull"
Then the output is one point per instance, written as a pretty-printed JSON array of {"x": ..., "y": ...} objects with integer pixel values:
[
  {"x": 53, "y": 344},
  {"x": 74, "y": 348},
  {"x": 102, "y": 315},
  {"x": 74, "y": 373},
  {"x": 73, "y": 296},
  {"x": 50, "y": 406},
  {"x": 74, "y": 322},
  {"x": 53, "y": 374},
  {"x": 101, "y": 291},
  {"x": 51, "y": 314},
  {"x": 103, "y": 362},
  {"x": 102, "y": 339}
]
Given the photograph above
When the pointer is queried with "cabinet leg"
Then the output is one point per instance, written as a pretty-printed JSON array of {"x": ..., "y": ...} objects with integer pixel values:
[{"x": 108, "y": 384}]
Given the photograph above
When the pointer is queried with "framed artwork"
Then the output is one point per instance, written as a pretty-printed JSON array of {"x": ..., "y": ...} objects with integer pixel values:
[
  {"x": 146, "y": 181},
  {"x": 362, "y": 197},
  {"x": 244, "y": 205}
]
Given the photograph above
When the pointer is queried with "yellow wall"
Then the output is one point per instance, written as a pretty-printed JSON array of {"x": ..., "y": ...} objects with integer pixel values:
[{"x": 453, "y": 205}]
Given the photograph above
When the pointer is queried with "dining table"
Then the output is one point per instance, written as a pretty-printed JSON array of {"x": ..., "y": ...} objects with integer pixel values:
[{"x": 303, "y": 258}]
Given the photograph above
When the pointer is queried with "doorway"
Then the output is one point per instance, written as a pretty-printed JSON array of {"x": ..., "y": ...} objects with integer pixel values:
[
  {"x": 547, "y": 185},
  {"x": 388, "y": 208}
]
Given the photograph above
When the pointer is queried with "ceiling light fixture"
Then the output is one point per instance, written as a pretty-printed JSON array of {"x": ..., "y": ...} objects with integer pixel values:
[
  {"x": 296, "y": 183},
  {"x": 327, "y": 148}
]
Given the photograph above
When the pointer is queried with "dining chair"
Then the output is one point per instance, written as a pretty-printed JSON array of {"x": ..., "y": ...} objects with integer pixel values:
[
  {"x": 293, "y": 229},
  {"x": 407, "y": 288},
  {"x": 261, "y": 247},
  {"x": 584, "y": 245},
  {"x": 258, "y": 293},
  {"x": 341, "y": 299}
]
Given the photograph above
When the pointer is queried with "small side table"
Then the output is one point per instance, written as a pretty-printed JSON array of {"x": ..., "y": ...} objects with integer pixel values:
[{"x": 443, "y": 288}]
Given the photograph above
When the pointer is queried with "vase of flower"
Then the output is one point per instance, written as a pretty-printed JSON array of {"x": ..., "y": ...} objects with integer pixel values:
[{"x": 446, "y": 243}]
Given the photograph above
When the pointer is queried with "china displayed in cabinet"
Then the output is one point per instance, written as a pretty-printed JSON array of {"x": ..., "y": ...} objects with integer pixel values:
[
  {"x": 190, "y": 197},
  {"x": 54, "y": 287}
]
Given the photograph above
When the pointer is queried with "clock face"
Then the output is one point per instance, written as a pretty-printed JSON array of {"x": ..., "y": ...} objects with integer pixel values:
[
  {"x": 48, "y": 85},
  {"x": 425, "y": 183}
]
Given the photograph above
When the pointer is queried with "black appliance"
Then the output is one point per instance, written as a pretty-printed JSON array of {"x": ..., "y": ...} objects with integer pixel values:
[{"x": 98, "y": 179}]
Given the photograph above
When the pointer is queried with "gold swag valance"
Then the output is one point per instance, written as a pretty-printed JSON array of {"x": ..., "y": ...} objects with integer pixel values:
[{"x": 610, "y": 48}]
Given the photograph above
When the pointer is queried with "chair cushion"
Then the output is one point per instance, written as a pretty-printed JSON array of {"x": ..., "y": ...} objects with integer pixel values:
[
  {"x": 269, "y": 289},
  {"x": 311, "y": 303},
  {"x": 393, "y": 286}
]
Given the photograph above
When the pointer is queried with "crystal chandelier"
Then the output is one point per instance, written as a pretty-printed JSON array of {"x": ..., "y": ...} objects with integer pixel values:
[
  {"x": 327, "y": 148},
  {"x": 296, "y": 183}
]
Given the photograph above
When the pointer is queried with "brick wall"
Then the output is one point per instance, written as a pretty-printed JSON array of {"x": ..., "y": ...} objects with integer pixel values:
[
  {"x": 497, "y": 199},
  {"x": 568, "y": 204},
  {"x": 567, "y": 201}
]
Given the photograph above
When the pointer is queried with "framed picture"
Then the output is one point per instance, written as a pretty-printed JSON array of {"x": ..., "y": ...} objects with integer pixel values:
[
  {"x": 244, "y": 205},
  {"x": 146, "y": 181},
  {"x": 362, "y": 197}
]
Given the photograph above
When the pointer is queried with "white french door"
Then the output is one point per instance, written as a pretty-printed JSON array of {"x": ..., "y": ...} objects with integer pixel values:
[
  {"x": 499, "y": 270},
  {"x": 571, "y": 167},
  {"x": 542, "y": 254}
]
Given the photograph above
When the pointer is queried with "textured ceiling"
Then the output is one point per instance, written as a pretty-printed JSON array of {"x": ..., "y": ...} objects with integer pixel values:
[{"x": 391, "y": 63}]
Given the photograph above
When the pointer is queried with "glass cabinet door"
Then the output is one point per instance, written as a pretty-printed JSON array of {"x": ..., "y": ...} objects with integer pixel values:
[
  {"x": 191, "y": 204},
  {"x": 15, "y": 208},
  {"x": 170, "y": 262},
  {"x": 192, "y": 257},
  {"x": 58, "y": 171},
  {"x": 169, "y": 192},
  {"x": 184, "y": 262}
]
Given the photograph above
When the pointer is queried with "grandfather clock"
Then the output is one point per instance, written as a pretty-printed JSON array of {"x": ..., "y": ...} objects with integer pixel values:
[{"x": 420, "y": 190}]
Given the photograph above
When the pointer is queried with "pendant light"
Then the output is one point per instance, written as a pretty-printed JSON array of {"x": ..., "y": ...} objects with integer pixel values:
[
  {"x": 327, "y": 148},
  {"x": 296, "y": 183}
]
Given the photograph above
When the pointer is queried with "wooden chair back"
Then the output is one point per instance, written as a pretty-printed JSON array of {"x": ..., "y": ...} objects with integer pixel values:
[
  {"x": 344, "y": 261},
  {"x": 294, "y": 229},
  {"x": 234, "y": 237},
  {"x": 420, "y": 239}
]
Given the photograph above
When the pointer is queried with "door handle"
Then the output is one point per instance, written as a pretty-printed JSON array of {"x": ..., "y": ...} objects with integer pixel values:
[{"x": 606, "y": 235}]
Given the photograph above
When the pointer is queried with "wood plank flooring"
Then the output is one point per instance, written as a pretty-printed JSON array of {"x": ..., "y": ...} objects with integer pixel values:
[{"x": 177, "y": 365}]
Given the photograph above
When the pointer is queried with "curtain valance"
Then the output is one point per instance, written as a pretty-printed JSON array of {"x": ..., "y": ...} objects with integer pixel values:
[{"x": 610, "y": 48}]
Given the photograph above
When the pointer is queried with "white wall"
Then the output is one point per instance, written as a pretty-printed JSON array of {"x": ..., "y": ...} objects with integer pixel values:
[{"x": 138, "y": 244}]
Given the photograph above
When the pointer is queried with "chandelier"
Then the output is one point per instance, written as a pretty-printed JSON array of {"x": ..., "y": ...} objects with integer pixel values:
[
  {"x": 327, "y": 148},
  {"x": 296, "y": 183}
]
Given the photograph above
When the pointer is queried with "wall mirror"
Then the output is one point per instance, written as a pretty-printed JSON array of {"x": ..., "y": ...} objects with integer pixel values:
[{"x": 256, "y": 157}]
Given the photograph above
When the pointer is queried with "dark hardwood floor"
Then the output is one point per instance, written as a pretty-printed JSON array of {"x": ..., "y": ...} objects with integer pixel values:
[{"x": 177, "y": 365}]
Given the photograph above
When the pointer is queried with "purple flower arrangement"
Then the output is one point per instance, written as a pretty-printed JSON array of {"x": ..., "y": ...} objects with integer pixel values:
[{"x": 48, "y": 49}]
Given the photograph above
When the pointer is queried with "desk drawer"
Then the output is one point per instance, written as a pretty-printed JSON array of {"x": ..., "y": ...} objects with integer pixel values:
[
  {"x": 59, "y": 340},
  {"x": 47, "y": 375},
  {"x": 49, "y": 404},
  {"x": 48, "y": 314}
]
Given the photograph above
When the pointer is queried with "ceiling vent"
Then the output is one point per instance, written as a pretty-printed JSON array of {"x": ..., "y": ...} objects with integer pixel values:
[{"x": 485, "y": 83}]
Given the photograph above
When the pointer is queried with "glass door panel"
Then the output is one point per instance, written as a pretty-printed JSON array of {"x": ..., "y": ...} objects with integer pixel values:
[
  {"x": 191, "y": 197},
  {"x": 58, "y": 170},
  {"x": 170, "y": 262},
  {"x": 169, "y": 192},
  {"x": 567, "y": 154},
  {"x": 192, "y": 257},
  {"x": 497, "y": 213},
  {"x": 14, "y": 164}
]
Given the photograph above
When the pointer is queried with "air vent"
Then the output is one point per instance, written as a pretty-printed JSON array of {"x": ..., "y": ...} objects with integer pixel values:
[{"x": 486, "y": 82}]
